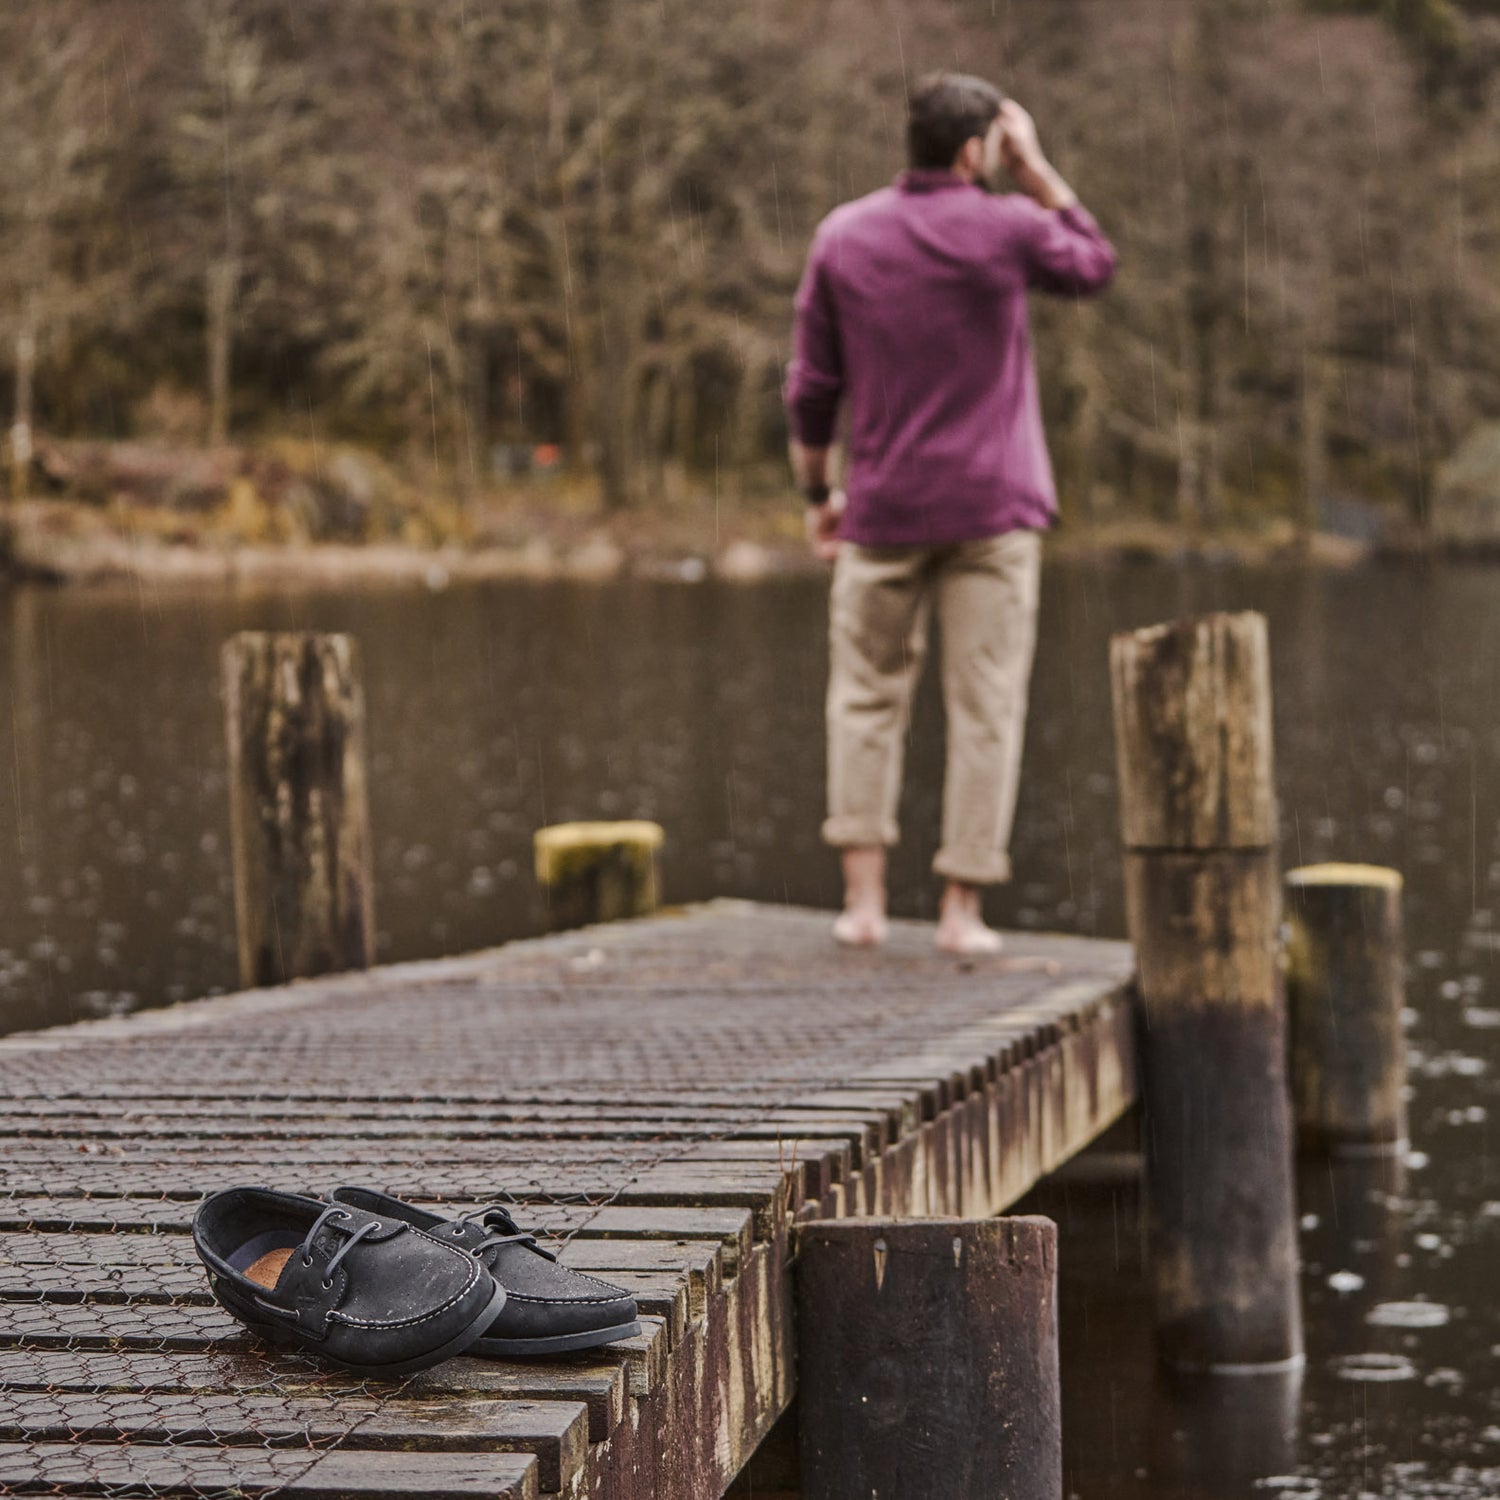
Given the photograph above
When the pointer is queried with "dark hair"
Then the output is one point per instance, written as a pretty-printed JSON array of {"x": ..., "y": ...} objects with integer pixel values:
[{"x": 944, "y": 111}]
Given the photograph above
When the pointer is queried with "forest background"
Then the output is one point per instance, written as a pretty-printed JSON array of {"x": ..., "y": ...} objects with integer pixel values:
[{"x": 457, "y": 270}]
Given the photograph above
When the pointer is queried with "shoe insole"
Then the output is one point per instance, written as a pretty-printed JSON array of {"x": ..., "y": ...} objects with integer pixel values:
[
  {"x": 262, "y": 1258},
  {"x": 267, "y": 1269}
]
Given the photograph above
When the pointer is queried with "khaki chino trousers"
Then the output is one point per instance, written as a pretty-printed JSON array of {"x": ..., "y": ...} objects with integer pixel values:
[{"x": 986, "y": 596}]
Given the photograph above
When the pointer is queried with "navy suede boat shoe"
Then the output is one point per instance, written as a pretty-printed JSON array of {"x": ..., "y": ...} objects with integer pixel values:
[
  {"x": 368, "y": 1291},
  {"x": 548, "y": 1308}
]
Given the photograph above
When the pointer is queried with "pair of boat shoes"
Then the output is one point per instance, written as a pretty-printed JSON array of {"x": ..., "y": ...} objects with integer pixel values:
[{"x": 383, "y": 1288}]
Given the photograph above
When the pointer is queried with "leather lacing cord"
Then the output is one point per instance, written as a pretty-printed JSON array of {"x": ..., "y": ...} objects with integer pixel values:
[
  {"x": 493, "y": 1217},
  {"x": 333, "y": 1212}
]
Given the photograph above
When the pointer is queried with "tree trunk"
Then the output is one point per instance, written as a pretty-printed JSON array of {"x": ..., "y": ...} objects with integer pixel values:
[
  {"x": 1202, "y": 489},
  {"x": 610, "y": 407},
  {"x": 748, "y": 410},
  {"x": 1201, "y": 51},
  {"x": 1421, "y": 431},
  {"x": 1079, "y": 455},
  {"x": 22, "y": 442},
  {"x": 477, "y": 408},
  {"x": 1314, "y": 440},
  {"x": 223, "y": 280}
]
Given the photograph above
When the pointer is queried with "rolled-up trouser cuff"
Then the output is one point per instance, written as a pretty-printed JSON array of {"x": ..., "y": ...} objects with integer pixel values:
[
  {"x": 972, "y": 866},
  {"x": 857, "y": 833}
]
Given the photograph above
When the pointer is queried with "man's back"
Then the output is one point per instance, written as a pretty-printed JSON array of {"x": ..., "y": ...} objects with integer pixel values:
[{"x": 913, "y": 311}]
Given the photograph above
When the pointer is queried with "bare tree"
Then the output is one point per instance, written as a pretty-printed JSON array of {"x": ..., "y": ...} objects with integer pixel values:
[
  {"x": 55, "y": 99},
  {"x": 240, "y": 121}
]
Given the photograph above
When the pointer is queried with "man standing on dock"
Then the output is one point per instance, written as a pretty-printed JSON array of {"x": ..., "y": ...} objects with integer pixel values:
[{"x": 912, "y": 311}]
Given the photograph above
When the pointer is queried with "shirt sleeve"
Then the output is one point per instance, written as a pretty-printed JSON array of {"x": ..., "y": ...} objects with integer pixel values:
[
  {"x": 815, "y": 376},
  {"x": 1065, "y": 250}
]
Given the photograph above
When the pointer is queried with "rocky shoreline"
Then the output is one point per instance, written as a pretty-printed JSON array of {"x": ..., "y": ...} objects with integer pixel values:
[
  {"x": 283, "y": 513},
  {"x": 51, "y": 542}
]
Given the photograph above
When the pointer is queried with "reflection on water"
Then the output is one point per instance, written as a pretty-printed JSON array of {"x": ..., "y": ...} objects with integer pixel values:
[{"x": 494, "y": 710}]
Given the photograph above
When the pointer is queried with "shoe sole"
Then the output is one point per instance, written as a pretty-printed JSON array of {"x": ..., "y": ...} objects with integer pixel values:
[
  {"x": 562, "y": 1343},
  {"x": 288, "y": 1337}
]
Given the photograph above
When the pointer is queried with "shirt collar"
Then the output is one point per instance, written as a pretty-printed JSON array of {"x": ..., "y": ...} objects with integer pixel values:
[{"x": 929, "y": 180}]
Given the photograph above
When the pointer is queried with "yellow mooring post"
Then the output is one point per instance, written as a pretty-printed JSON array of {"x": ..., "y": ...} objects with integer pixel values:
[
  {"x": 598, "y": 872},
  {"x": 1344, "y": 978}
]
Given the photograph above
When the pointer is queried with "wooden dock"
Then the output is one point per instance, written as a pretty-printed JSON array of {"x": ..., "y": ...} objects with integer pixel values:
[{"x": 672, "y": 1095}]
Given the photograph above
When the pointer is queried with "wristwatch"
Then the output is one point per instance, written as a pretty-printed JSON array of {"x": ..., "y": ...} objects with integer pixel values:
[{"x": 817, "y": 494}]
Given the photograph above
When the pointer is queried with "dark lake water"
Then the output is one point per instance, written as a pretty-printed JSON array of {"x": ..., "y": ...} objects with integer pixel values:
[{"x": 495, "y": 710}]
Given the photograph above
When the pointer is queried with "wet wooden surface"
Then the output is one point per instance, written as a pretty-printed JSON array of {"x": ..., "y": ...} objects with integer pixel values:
[{"x": 670, "y": 1098}]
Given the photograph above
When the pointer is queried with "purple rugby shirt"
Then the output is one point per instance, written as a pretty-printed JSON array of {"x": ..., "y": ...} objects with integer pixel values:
[{"x": 913, "y": 309}]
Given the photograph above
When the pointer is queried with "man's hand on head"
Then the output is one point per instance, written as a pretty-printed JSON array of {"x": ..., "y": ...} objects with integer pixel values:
[
  {"x": 1019, "y": 147},
  {"x": 823, "y": 526},
  {"x": 1022, "y": 156}
]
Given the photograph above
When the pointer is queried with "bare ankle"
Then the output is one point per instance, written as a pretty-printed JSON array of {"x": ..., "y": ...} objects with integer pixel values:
[
  {"x": 959, "y": 899},
  {"x": 864, "y": 879}
]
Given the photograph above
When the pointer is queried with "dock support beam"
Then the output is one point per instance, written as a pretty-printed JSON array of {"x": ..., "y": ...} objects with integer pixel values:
[
  {"x": 1192, "y": 708},
  {"x": 927, "y": 1359},
  {"x": 598, "y": 872},
  {"x": 299, "y": 809},
  {"x": 1345, "y": 992}
]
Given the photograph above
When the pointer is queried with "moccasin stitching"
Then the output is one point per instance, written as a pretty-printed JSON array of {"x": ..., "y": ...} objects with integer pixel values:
[
  {"x": 566, "y": 1301},
  {"x": 474, "y": 1269},
  {"x": 595, "y": 1281}
]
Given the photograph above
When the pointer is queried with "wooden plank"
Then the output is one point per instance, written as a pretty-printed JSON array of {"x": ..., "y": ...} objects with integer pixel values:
[
  {"x": 764, "y": 1191},
  {"x": 347, "y": 1475},
  {"x": 733, "y": 1227},
  {"x": 502, "y": 1159},
  {"x": 37, "y": 1324},
  {"x": 555, "y": 1432},
  {"x": 166, "y": 1266},
  {"x": 246, "y": 1371},
  {"x": 600, "y": 1386},
  {"x": 175, "y": 1328},
  {"x": 664, "y": 1295},
  {"x": 299, "y": 1475},
  {"x": 700, "y": 1264},
  {"x": 646, "y": 1355},
  {"x": 170, "y": 1252},
  {"x": 863, "y": 1132}
]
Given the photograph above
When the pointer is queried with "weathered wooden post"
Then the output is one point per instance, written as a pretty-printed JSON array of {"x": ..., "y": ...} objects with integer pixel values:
[
  {"x": 927, "y": 1362},
  {"x": 1217, "y": 1437},
  {"x": 299, "y": 810},
  {"x": 1344, "y": 990},
  {"x": 1192, "y": 711},
  {"x": 598, "y": 872}
]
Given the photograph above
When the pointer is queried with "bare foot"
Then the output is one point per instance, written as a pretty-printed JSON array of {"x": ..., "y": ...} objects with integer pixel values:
[
  {"x": 966, "y": 934},
  {"x": 860, "y": 928},
  {"x": 961, "y": 926},
  {"x": 862, "y": 923}
]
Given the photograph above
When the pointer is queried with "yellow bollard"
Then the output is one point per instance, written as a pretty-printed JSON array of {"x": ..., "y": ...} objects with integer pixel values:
[
  {"x": 598, "y": 872},
  {"x": 1344, "y": 976}
]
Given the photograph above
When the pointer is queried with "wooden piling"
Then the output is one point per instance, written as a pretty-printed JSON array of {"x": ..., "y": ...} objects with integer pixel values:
[
  {"x": 598, "y": 872},
  {"x": 1217, "y": 1435},
  {"x": 928, "y": 1360},
  {"x": 299, "y": 812},
  {"x": 1344, "y": 972},
  {"x": 1192, "y": 709}
]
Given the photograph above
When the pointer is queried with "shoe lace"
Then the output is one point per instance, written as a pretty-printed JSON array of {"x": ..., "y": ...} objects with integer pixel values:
[
  {"x": 502, "y": 1230},
  {"x": 333, "y": 1211}
]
